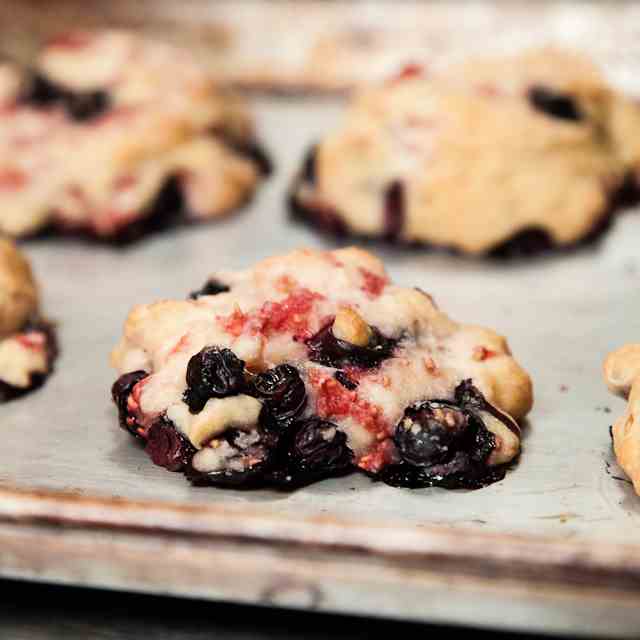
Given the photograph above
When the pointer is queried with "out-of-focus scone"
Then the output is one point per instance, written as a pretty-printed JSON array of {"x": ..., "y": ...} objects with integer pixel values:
[
  {"x": 312, "y": 364},
  {"x": 114, "y": 134},
  {"x": 27, "y": 343},
  {"x": 513, "y": 154},
  {"x": 622, "y": 375}
]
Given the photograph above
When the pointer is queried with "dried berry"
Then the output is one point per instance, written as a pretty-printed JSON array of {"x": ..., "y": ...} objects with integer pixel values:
[
  {"x": 283, "y": 394},
  {"x": 308, "y": 173},
  {"x": 317, "y": 450},
  {"x": 211, "y": 287},
  {"x": 213, "y": 373},
  {"x": 120, "y": 392},
  {"x": 446, "y": 444},
  {"x": 328, "y": 350},
  {"x": 554, "y": 103},
  {"x": 459, "y": 473},
  {"x": 394, "y": 210},
  {"x": 80, "y": 106},
  {"x": 345, "y": 380},
  {"x": 430, "y": 432},
  {"x": 167, "y": 447}
]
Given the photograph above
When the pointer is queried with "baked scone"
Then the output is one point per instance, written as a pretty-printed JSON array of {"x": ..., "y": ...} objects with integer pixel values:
[
  {"x": 313, "y": 364},
  {"x": 513, "y": 154},
  {"x": 27, "y": 343},
  {"x": 114, "y": 134},
  {"x": 622, "y": 375}
]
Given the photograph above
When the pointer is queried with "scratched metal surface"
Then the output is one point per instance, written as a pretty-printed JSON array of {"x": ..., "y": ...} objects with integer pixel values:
[{"x": 561, "y": 316}]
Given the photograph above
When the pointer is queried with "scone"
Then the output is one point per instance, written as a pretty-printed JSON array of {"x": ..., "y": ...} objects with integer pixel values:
[
  {"x": 311, "y": 365},
  {"x": 27, "y": 343},
  {"x": 113, "y": 135},
  {"x": 517, "y": 154},
  {"x": 622, "y": 375}
]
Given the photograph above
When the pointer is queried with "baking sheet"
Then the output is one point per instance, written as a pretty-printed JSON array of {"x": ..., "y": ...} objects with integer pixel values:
[
  {"x": 561, "y": 315},
  {"x": 553, "y": 547}
]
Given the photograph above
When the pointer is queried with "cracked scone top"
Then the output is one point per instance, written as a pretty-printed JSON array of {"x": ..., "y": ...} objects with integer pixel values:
[
  {"x": 622, "y": 375},
  {"x": 27, "y": 345},
  {"x": 500, "y": 155},
  {"x": 312, "y": 364},
  {"x": 114, "y": 133}
]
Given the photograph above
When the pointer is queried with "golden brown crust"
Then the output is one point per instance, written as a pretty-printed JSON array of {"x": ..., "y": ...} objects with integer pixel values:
[
  {"x": 622, "y": 375},
  {"x": 18, "y": 291},
  {"x": 476, "y": 160}
]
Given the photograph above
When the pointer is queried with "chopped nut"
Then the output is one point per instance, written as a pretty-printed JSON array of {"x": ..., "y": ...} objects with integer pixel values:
[
  {"x": 507, "y": 442},
  {"x": 218, "y": 415},
  {"x": 350, "y": 327}
]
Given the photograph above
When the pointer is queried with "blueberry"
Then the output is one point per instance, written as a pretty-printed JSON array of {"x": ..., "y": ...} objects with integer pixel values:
[
  {"x": 324, "y": 348},
  {"x": 430, "y": 433},
  {"x": 317, "y": 450},
  {"x": 211, "y": 287},
  {"x": 308, "y": 173},
  {"x": 554, "y": 103},
  {"x": 167, "y": 447},
  {"x": 79, "y": 105},
  {"x": 283, "y": 394},
  {"x": 120, "y": 392},
  {"x": 458, "y": 473},
  {"x": 213, "y": 373}
]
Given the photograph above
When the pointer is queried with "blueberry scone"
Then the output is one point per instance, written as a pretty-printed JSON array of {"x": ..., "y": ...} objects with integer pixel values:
[
  {"x": 495, "y": 156},
  {"x": 622, "y": 375},
  {"x": 314, "y": 364},
  {"x": 27, "y": 343},
  {"x": 113, "y": 134}
]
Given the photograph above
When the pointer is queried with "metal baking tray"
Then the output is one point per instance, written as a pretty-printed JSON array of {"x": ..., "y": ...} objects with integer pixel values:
[
  {"x": 552, "y": 547},
  {"x": 555, "y": 547}
]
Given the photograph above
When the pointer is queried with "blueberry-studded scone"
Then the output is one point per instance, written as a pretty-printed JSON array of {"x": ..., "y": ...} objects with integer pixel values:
[
  {"x": 311, "y": 365},
  {"x": 622, "y": 375},
  {"x": 27, "y": 343},
  {"x": 114, "y": 134},
  {"x": 514, "y": 154}
]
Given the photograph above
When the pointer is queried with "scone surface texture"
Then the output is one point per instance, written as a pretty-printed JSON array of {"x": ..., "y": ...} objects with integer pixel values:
[
  {"x": 113, "y": 135},
  {"x": 507, "y": 155},
  {"x": 313, "y": 364},
  {"x": 27, "y": 343}
]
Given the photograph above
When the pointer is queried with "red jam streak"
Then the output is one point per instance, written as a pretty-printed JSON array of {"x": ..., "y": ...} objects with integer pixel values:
[
  {"x": 373, "y": 284},
  {"x": 290, "y": 315},
  {"x": 73, "y": 40},
  {"x": 333, "y": 400},
  {"x": 12, "y": 179}
]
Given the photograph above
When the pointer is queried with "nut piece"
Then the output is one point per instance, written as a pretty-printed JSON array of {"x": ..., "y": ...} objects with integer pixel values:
[
  {"x": 351, "y": 328},
  {"x": 218, "y": 415},
  {"x": 507, "y": 442}
]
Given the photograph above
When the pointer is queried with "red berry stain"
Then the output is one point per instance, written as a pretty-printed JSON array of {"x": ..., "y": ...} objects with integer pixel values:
[
  {"x": 411, "y": 70},
  {"x": 124, "y": 182},
  {"x": 336, "y": 401},
  {"x": 381, "y": 455},
  {"x": 181, "y": 344},
  {"x": 33, "y": 340},
  {"x": 73, "y": 40},
  {"x": 234, "y": 323},
  {"x": 373, "y": 284},
  {"x": 481, "y": 353},
  {"x": 12, "y": 179},
  {"x": 290, "y": 315}
]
